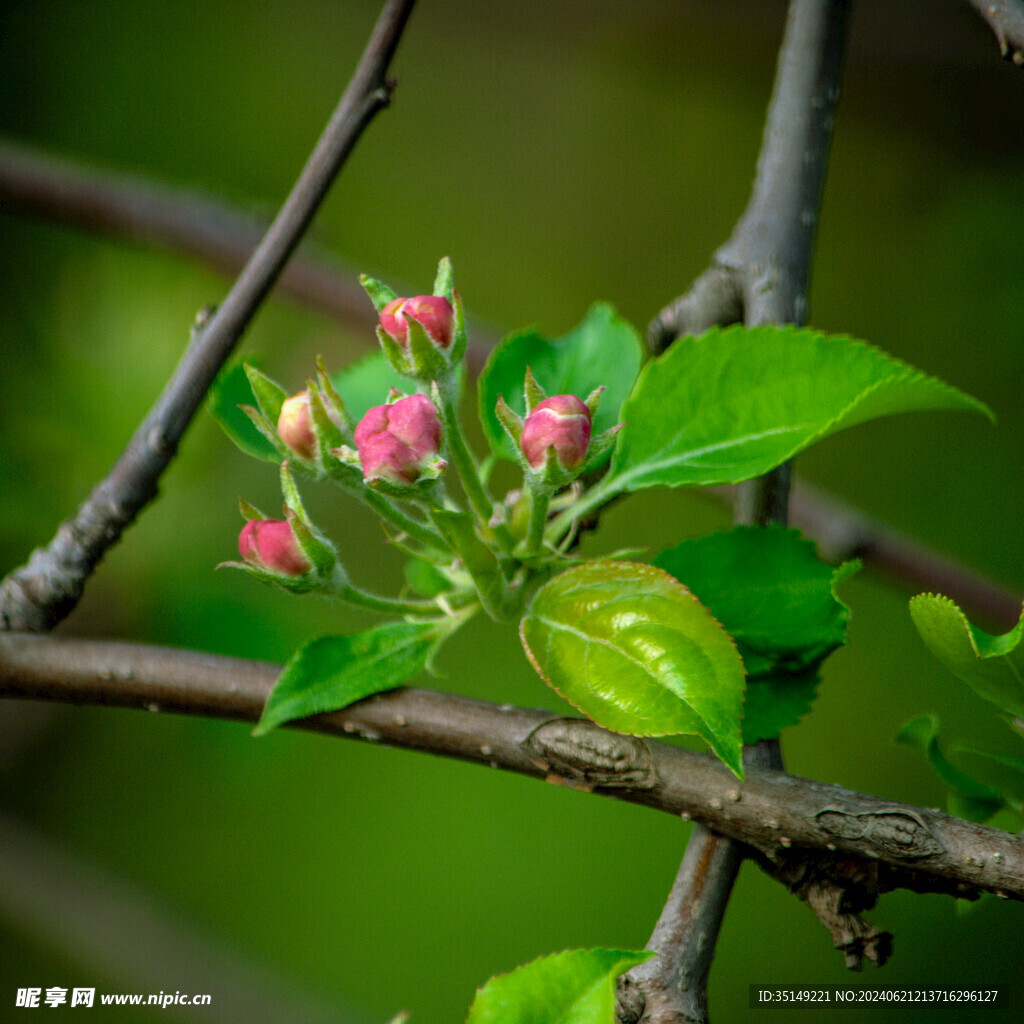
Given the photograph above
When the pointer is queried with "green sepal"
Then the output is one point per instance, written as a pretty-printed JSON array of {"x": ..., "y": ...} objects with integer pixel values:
[
  {"x": 293, "y": 584},
  {"x": 380, "y": 294},
  {"x": 510, "y": 422},
  {"x": 269, "y": 395},
  {"x": 268, "y": 431},
  {"x": 318, "y": 551},
  {"x": 426, "y": 362},
  {"x": 444, "y": 282},
  {"x": 332, "y": 401},
  {"x": 249, "y": 512},
  {"x": 396, "y": 355},
  {"x": 968, "y": 798},
  {"x": 533, "y": 393},
  {"x": 460, "y": 339},
  {"x": 229, "y": 392},
  {"x": 327, "y": 433},
  {"x": 479, "y": 561},
  {"x": 292, "y": 498}
]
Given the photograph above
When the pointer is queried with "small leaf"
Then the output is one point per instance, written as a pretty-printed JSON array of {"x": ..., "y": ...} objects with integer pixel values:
[
  {"x": 575, "y": 987},
  {"x": 992, "y": 666},
  {"x": 334, "y": 671},
  {"x": 603, "y": 350},
  {"x": 444, "y": 282},
  {"x": 231, "y": 390},
  {"x": 969, "y": 798},
  {"x": 426, "y": 579},
  {"x": 366, "y": 383},
  {"x": 739, "y": 401},
  {"x": 380, "y": 294},
  {"x": 777, "y": 600},
  {"x": 636, "y": 652}
]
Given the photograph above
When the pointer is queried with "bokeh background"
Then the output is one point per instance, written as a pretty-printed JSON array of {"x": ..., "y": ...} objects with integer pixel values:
[{"x": 560, "y": 152}]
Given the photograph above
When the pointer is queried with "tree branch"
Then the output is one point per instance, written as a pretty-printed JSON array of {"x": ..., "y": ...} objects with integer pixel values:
[
  {"x": 887, "y": 845},
  {"x": 1006, "y": 19},
  {"x": 37, "y": 596},
  {"x": 760, "y": 275}
]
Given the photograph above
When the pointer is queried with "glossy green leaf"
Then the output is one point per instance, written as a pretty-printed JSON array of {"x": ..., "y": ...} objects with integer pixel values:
[
  {"x": 738, "y": 401},
  {"x": 334, "y": 671},
  {"x": 992, "y": 666},
  {"x": 604, "y": 350},
  {"x": 231, "y": 390},
  {"x": 969, "y": 798},
  {"x": 636, "y": 652},
  {"x": 575, "y": 987},
  {"x": 777, "y": 600}
]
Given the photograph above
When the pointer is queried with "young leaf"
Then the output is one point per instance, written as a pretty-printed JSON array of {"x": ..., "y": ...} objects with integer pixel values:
[
  {"x": 575, "y": 987},
  {"x": 738, "y": 401},
  {"x": 777, "y": 599},
  {"x": 334, "y": 671},
  {"x": 230, "y": 390},
  {"x": 992, "y": 666},
  {"x": 366, "y": 383},
  {"x": 968, "y": 798},
  {"x": 636, "y": 652},
  {"x": 603, "y": 350}
]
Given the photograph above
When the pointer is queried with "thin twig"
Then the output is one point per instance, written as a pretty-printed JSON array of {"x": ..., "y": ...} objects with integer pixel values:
[
  {"x": 1006, "y": 19},
  {"x": 138, "y": 210},
  {"x": 37, "y": 596},
  {"x": 893, "y": 845}
]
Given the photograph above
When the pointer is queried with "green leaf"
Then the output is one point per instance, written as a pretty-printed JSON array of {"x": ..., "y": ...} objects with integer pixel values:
[
  {"x": 774, "y": 703},
  {"x": 738, "y": 401},
  {"x": 426, "y": 579},
  {"x": 366, "y": 383},
  {"x": 230, "y": 390},
  {"x": 992, "y": 666},
  {"x": 604, "y": 350},
  {"x": 969, "y": 798},
  {"x": 777, "y": 600},
  {"x": 334, "y": 671},
  {"x": 636, "y": 652},
  {"x": 575, "y": 987}
]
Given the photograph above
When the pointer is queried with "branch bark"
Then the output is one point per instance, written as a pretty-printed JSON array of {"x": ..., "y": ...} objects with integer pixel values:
[
  {"x": 761, "y": 275},
  {"x": 40, "y": 594},
  {"x": 882, "y": 844},
  {"x": 1006, "y": 19}
]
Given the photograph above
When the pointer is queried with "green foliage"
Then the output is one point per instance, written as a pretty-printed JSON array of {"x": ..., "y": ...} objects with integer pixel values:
[
  {"x": 574, "y": 987},
  {"x": 992, "y": 666},
  {"x": 334, "y": 671},
  {"x": 968, "y": 798},
  {"x": 636, "y": 652},
  {"x": 777, "y": 599},
  {"x": 229, "y": 392},
  {"x": 603, "y": 351},
  {"x": 738, "y": 401}
]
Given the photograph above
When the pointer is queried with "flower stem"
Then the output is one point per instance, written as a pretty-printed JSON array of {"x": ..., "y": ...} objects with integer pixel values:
[{"x": 540, "y": 498}]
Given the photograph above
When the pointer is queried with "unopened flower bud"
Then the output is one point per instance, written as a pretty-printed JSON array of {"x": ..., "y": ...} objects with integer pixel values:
[
  {"x": 397, "y": 441},
  {"x": 561, "y": 422},
  {"x": 433, "y": 313},
  {"x": 270, "y": 544},
  {"x": 295, "y": 425}
]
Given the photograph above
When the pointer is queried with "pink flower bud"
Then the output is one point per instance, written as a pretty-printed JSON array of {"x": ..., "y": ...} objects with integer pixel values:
[
  {"x": 396, "y": 441},
  {"x": 433, "y": 313},
  {"x": 561, "y": 422},
  {"x": 295, "y": 425},
  {"x": 270, "y": 544}
]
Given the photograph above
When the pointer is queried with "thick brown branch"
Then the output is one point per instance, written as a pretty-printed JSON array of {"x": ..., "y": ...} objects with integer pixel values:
[
  {"x": 37, "y": 596},
  {"x": 1006, "y": 19},
  {"x": 893, "y": 845}
]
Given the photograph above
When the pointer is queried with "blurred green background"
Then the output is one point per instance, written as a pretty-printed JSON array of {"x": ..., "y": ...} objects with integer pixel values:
[{"x": 559, "y": 152}]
